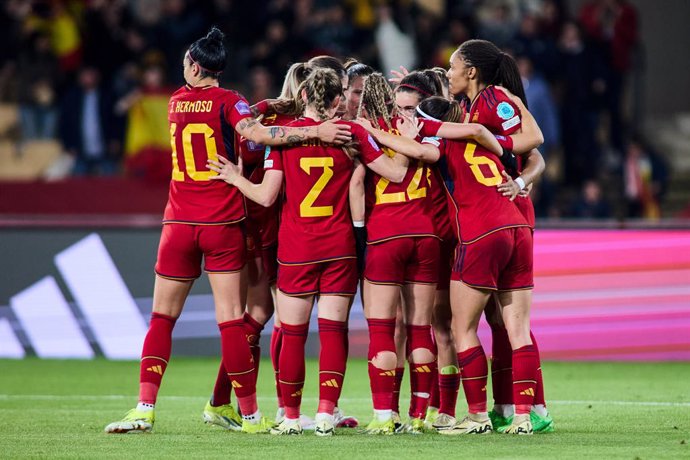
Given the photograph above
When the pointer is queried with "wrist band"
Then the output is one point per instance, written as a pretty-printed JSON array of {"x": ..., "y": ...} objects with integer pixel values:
[
  {"x": 506, "y": 142},
  {"x": 358, "y": 223},
  {"x": 521, "y": 183}
]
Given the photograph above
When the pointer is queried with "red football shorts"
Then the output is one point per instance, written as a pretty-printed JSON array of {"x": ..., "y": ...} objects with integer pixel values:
[
  {"x": 182, "y": 246},
  {"x": 403, "y": 260},
  {"x": 335, "y": 277},
  {"x": 500, "y": 261},
  {"x": 269, "y": 259},
  {"x": 447, "y": 249}
]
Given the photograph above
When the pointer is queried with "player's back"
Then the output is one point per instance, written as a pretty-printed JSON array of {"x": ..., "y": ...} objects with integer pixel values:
[
  {"x": 399, "y": 210},
  {"x": 315, "y": 221},
  {"x": 475, "y": 172},
  {"x": 201, "y": 129}
]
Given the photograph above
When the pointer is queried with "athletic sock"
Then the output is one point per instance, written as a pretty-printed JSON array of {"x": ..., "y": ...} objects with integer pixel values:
[
  {"x": 155, "y": 355},
  {"x": 239, "y": 364},
  {"x": 144, "y": 407},
  {"x": 397, "y": 385},
  {"x": 501, "y": 366},
  {"x": 332, "y": 363},
  {"x": 421, "y": 374},
  {"x": 449, "y": 385},
  {"x": 382, "y": 381},
  {"x": 292, "y": 367},
  {"x": 539, "y": 398},
  {"x": 252, "y": 329},
  {"x": 222, "y": 389},
  {"x": 276, "y": 343},
  {"x": 473, "y": 371},
  {"x": 525, "y": 365}
]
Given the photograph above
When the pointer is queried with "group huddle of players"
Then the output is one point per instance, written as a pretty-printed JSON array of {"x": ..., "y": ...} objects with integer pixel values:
[{"x": 414, "y": 189}]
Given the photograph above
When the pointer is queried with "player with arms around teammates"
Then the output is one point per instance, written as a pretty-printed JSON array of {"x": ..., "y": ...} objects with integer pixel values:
[
  {"x": 316, "y": 246},
  {"x": 202, "y": 219}
]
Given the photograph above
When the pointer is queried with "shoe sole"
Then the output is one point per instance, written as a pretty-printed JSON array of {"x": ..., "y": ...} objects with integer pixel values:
[
  {"x": 324, "y": 433},
  {"x": 131, "y": 430},
  {"x": 213, "y": 420},
  {"x": 454, "y": 432}
]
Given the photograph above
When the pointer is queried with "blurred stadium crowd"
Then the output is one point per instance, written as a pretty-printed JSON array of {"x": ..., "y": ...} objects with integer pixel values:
[{"x": 95, "y": 76}]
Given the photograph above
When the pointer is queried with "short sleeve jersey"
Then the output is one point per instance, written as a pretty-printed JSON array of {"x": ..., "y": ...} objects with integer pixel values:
[
  {"x": 202, "y": 122},
  {"x": 473, "y": 174},
  {"x": 315, "y": 224},
  {"x": 493, "y": 109},
  {"x": 399, "y": 210}
]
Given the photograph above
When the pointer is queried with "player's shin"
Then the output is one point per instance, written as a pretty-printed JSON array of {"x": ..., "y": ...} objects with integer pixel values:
[
  {"x": 292, "y": 368},
  {"x": 239, "y": 364},
  {"x": 422, "y": 357},
  {"x": 382, "y": 361},
  {"x": 155, "y": 355},
  {"x": 332, "y": 363}
]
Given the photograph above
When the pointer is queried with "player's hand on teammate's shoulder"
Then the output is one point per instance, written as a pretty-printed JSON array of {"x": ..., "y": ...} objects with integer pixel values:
[
  {"x": 331, "y": 132},
  {"x": 364, "y": 123},
  {"x": 227, "y": 171}
]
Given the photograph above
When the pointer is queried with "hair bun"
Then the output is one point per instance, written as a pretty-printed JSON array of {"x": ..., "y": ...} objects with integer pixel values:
[{"x": 215, "y": 35}]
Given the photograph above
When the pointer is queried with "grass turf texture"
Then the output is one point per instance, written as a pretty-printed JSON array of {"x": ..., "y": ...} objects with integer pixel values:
[{"x": 58, "y": 409}]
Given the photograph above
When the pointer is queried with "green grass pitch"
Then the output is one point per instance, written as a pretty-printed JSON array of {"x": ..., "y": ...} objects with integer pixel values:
[{"x": 58, "y": 409}]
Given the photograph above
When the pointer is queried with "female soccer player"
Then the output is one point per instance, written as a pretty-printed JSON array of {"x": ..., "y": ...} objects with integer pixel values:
[
  {"x": 202, "y": 218},
  {"x": 495, "y": 255},
  {"x": 262, "y": 234},
  {"x": 475, "y": 67},
  {"x": 316, "y": 249}
]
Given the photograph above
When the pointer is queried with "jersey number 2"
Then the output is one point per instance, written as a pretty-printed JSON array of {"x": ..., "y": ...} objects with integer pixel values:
[
  {"x": 306, "y": 207},
  {"x": 190, "y": 165}
]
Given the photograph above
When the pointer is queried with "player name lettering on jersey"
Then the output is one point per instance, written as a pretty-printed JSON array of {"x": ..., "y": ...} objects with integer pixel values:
[{"x": 193, "y": 106}]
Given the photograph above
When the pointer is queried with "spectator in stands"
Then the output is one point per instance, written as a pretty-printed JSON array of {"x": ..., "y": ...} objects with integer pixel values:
[
  {"x": 36, "y": 96},
  {"x": 147, "y": 135},
  {"x": 541, "y": 104},
  {"x": 645, "y": 177},
  {"x": 539, "y": 48},
  {"x": 498, "y": 25},
  {"x": 612, "y": 26},
  {"x": 85, "y": 114},
  {"x": 396, "y": 47},
  {"x": 591, "y": 204},
  {"x": 580, "y": 69}
]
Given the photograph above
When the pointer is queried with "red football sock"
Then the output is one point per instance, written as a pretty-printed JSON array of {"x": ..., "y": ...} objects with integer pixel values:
[
  {"x": 222, "y": 389},
  {"x": 292, "y": 367},
  {"x": 525, "y": 364},
  {"x": 435, "y": 398},
  {"x": 155, "y": 355},
  {"x": 239, "y": 364},
  {"x": 253, "y": 328},
  {"x": 448, "y": 384},
  {"x": 276, "y": 344},
  {"x": 539, "y": 390},
  {"x": 473, "y": 371},
  {"x": 382, "y": 381},
  {"x": 332, "y": 363},
  {"x": 421, "y": 374},
  {"x": 397, "y": 385},
  {"x": 501, "y": 366}
]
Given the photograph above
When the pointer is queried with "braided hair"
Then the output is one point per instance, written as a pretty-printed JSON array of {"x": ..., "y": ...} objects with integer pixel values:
[
  {"x": 377, "y": 99},
  {"x": 322, "y": 86},
  {"x": 209, "y": 54},
  {"x": 494, "y": 67}
]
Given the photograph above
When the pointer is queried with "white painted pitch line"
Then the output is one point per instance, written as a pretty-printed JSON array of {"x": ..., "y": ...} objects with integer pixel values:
[{"x": 312, "y": 399}]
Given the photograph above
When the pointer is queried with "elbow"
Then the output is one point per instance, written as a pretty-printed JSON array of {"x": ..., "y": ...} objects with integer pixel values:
[
  {"x": 539, "y": 139},
  {"x": 399, "y": 176},
  {"x": 267, "y": 201}
]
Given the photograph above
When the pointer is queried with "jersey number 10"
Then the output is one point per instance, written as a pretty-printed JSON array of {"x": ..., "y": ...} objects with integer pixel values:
[{"x": 190, "y": 164}]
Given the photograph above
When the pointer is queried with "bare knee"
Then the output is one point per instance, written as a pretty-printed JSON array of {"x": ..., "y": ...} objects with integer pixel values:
[{"x": 385, "y": 360}]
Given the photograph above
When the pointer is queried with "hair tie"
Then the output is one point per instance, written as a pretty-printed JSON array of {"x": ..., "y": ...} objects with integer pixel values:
[
  {"x": 426, "y": 115},
  {"x": 193, "y": 61},
  {"x": 419, "y": 90}
]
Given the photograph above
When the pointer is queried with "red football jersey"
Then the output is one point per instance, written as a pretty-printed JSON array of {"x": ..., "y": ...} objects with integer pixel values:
[
  {"x": 315, "y": 223},
  {"x": 441, "y": 207},
  {"x": 202, "y": 121},
  {"x": 493, "y": 109},
  {"x": 265, "y": 218},
  {"x": 398, "y": 210},
  {"x": 474, "y": 173}
]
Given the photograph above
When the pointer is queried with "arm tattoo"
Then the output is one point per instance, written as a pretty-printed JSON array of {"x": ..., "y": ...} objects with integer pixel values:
[
  {"x": 294, "y": 138},
  {"x": 246, "y": 123},
  {"x": 277, "y": 131}
]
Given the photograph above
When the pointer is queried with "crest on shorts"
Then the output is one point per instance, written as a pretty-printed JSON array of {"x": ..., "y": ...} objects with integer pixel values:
[{"x": 505, "y": 111}]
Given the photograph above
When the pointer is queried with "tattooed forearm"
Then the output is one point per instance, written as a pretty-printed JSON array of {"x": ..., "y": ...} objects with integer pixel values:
[
  {"x": 246, "y": 123},
  {"x": 277, "y": 131},
  {"x": 294, "y": 138}
]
